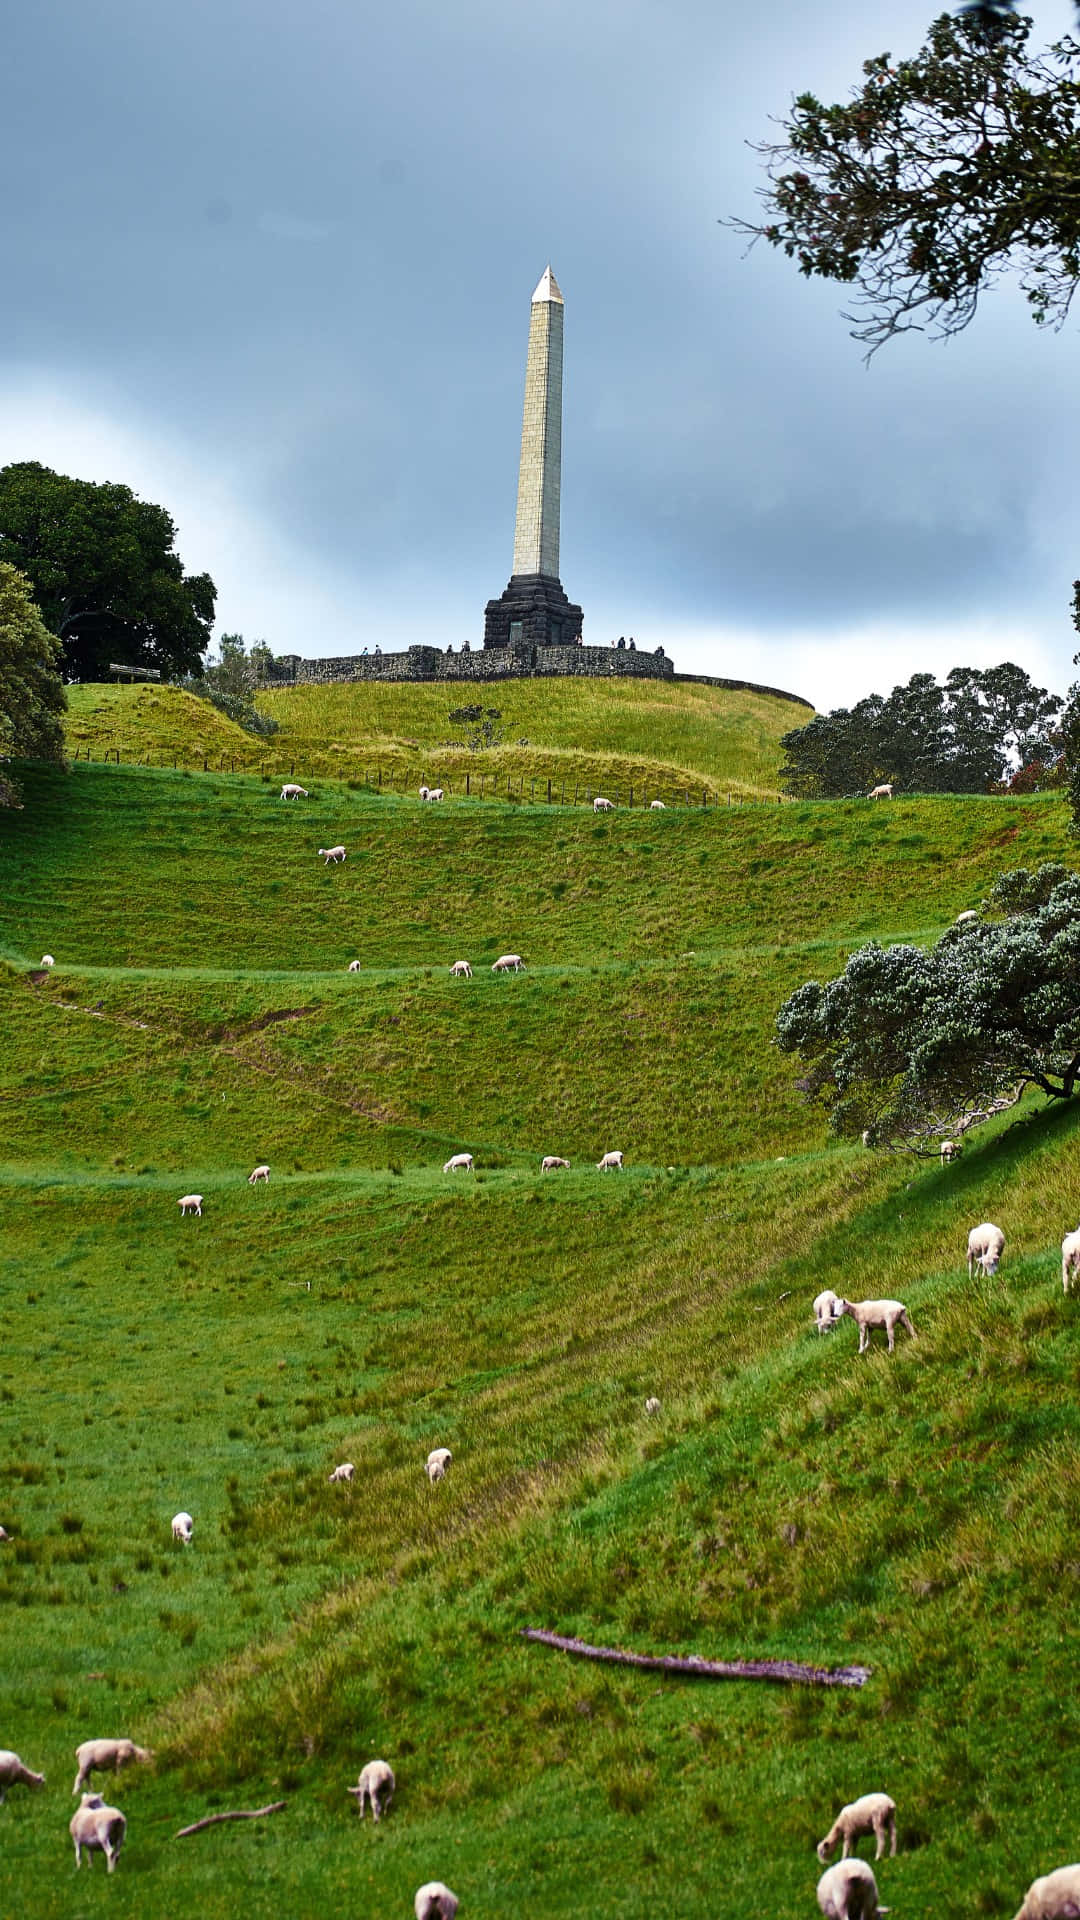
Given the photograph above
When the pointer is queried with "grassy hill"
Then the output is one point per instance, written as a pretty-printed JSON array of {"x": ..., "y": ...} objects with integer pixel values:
[
  {"x": 583, "y": 735},
  {"x": 914, "y": 1513}
]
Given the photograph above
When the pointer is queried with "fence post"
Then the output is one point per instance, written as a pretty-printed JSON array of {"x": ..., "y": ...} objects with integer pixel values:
[
  {"x": 631, "y": 796},
  {"x": 686, "y": 796},
  {"x": 205, "y": 766},
  {"x": 468, "y": 785},
  {"x": 549, "y": 793},
  {"x": 380, "y": 779},
  {"x": 704, "y": 797},
  {"x": 532, "y": 790}
]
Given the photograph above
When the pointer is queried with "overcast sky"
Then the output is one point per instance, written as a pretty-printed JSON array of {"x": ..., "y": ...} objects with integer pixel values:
[{"x": 270, "y": 265}]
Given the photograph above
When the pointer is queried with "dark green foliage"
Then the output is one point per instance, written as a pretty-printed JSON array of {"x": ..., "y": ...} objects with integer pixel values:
[
  {"x": 962, "y": 736},
  {"x": 31, "y": 697},
  {"x": 912, "y": 1044},
  {"x": 104, "y": 573},
  {"x": 939, "y": 174}
]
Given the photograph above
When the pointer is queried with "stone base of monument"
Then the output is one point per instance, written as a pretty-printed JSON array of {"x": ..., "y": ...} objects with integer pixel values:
[{"x": 533, "y": 612}]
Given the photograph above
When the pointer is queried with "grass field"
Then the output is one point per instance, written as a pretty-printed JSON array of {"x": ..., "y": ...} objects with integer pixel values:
[{"x": 916, "y": 1513}]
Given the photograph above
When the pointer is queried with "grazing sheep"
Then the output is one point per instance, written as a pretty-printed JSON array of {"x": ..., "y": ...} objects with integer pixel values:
[
  {"x": 257, "y": 1174},
  {"x": 4, "y": 1534},
  {"x": 652, "y": 1404},
  {"x": 600, "y": 805},
  {"x": 376, "y": 1786},
  {"x": 423, "y": 793},
  {"x": 191, "y": 1203},
  {"x": 508, "y": 963},
  {"x": 336, "y": 854},
  {"x": 434, "y": 1901},
  {"x": 550, "y": 1161},
  {"x": 877, "y": 1313},
  {"x": 871, "y": 1813},
  {"x": 848, "y": 1891},
  {"x": 1054, "y": 1896},
  {"x": 986, "y": 1244},
  {"x": 97, "y": 1755},
  {"x": 657, "y": 806},
  {"x": 437, "y": 1462},
  {"x": 1070, "y": 1259},
  {"x": 183, "y": 1527},
  {"x": 950, "y": 1151},
  {"x": 884, "y": 792},
  {"x": 344, "y": 1472},
  {"x": 610, "y": 1160},
  {"x": 14, "y": 1772},
  {"x": 353, "y": 966},
  {"x": 290, "y": 791},
  {"x": 965, "y": 919},
  {"x": 827, "y": 1310},
  {"x": 458, "y": 1163},
  {"x": 431, "y": 793},
  {"x": 98, "y": 1829},
  {"x": 47, "y": 960},
  {"x": 461, "y": 970}
]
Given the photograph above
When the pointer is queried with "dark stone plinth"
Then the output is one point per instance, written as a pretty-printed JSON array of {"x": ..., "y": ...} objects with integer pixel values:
[{"x": 533, "y": 612}]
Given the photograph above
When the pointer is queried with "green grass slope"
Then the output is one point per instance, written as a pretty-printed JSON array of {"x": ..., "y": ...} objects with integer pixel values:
[{"x": 915, "y": 1513}]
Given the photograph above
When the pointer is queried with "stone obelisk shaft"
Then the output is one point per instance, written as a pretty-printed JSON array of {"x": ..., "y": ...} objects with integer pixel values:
[{"x": 536, "y": 529}]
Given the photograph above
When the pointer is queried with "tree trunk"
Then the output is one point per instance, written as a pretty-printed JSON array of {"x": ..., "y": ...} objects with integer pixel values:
[{"x": 789, "y": 1672}]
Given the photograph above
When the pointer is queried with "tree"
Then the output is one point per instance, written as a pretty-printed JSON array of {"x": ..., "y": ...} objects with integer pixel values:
[
  {"x": 911, "y": 1045},
  {"x": 230, "y": 682},
  {"x": 104, "y": 573},
  {"x": 32, "y": 698},
  {"x": 940, "y": 173}
]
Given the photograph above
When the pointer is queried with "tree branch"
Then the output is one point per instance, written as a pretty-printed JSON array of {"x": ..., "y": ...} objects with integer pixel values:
[
  {"x": 213, "y": 1819},
  {"x": 789, "y": 1672}
]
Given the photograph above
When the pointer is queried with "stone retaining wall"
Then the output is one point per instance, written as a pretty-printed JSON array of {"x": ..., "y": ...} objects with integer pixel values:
[{"x": 509, "y": 663}]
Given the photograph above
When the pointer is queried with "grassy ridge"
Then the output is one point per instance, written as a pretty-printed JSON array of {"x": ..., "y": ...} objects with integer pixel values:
[{"x": 916, "y": 1513}]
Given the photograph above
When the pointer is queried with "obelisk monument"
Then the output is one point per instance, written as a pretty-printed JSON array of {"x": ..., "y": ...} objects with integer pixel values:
[{"x": 534, "y": 611}]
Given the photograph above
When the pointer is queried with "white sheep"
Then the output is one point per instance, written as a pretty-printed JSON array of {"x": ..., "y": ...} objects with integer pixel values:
[
  {"x": 336, "y": 854},
  {"x": 610, "y": 1160},
  {"x": 461, "y": 970},
  {"x": 290, "y": 791},
  {"x": 14, "y": 1772},
  {"x": 827, "y": 1310},
  {"x": 551, "y": 1161},
  {"x": 434, "y": 1901},
  {"x": 950, "y": 1151},
  {"x": 183, "y": 1527},
  {"x": 871, "y": 1813},
  {"x": 458, "y": 1163},
  {"x": 652, "y": 1404},
  {"x": 1054, "y": 1896},
  {"x": 423, "y": 793},
  {"x": 431, "y": 793},
  {"x": 878, "y": 1313},
  {"x": 965, "y": 919},
  {"x": 191, "y": 1203},
  {"x": 345, "y": 1472},
  {"x": 4, "y": 1534},
  {"x": 986, "y": 1244},
  {"x": 376, "y": 1786},
  {"x": 97, "y": 1829},
  {"x": 657, "y": 806},
  {"x": 883, "y": 792},
  {"x": 1070, "y": 1260},
  {"x": 508, "y": 963},
  {"x": 353, "y": 966},
  {"x": 600, "y": 805},
  {"x": 258, "y": 1173},
  {"x": 848, "y": 1891},
  {"x": 437, "y": 1462},
  {"x": 97, "y": 1755},
  {"x": 47, "y": 960}
]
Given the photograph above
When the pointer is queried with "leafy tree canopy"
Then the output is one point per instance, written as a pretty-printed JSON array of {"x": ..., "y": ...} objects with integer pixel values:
[
  {"x": 961, "y": 736},
  {"x": 940, "y": 173},
  {"x": 912, "y": 1045},
  {"x": 32, "y": 698},
  {"x": 104, "y": 573}
]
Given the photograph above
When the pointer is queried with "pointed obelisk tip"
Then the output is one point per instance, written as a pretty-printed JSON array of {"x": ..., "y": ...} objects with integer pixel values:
[{"x": 548, "y": 288}]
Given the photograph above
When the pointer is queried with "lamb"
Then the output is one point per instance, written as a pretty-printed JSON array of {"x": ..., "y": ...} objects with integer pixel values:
[
  {"x": 458, "y": 1163},
  {"x": 600, "y": 805},
  {"x": 431, "y": 793},
  {"x": 95, "y": 1755},
  {"x": 508, "y": 963},
  {"x": 257, "y": 1174},
  {"x": 877, "y": 1313},
  {"x": 657, "y": 806},
  {"x": 353, "y": 966},
  {"x": 986, "y": 1244},
  {"x": 47, "y": 960},
  {"x": 191, "y": 1203},
  {"x": 550, "y": 1161},
  {"x": 437, "y": 1462},
  {"x": 610, "y": 1160},
  {"x": 950, "y": 1151},
  {"x": 344, "y": 1472},
  {"x": 98, "y": 1828},
  {"x": 335, "y": 854},
  {"x": 4, "y": 1534},
  {"x": 14, "y": 1772},
  {"x": 827, "y": 1310},
  {"x": 848, "y": 1891},
  {"x": 183, "y": 1527},
  {"x": 871, "y": 1813},
  {"x": 965, "y": 919},
  {"x": 652, "y": 1404},
  {"x": 884, "y": 792},
  {"x": 290, "y": 791},
  {"x": 1054, "y": 1896},
  {"x": 434, "y": 1901},
  {"x": 1070, "y": 1259},
  {"x": 376, "y": 1785},
  {"x": 461, "y": 970}
]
